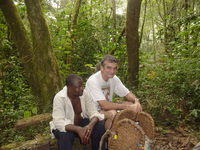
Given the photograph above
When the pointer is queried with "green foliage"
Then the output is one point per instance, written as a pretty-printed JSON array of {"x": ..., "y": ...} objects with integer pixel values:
[
  {"x": 12, "y": 135},
  {"x": 169, "y": 69},
  {"x": 15, "y": 93},
  {"x": 187, "y": 40},
  {"x": 85, "y": 47},
  {"x": 16, "y": 97},
  {"x": 171, "y": 87}
]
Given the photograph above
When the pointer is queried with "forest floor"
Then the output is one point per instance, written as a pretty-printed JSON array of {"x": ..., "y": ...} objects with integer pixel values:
[{"x": 175, "y": 139}]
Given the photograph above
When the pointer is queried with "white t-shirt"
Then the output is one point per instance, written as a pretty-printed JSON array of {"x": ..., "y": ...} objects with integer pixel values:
[{"x": 100, "y": 89}]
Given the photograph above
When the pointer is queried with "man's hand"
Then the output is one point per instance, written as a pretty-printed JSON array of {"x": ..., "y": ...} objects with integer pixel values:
[
  {"x": 84, "y": 134},
  {"x": 136, "y": 107},
  {"x": 88, "y": 129}
]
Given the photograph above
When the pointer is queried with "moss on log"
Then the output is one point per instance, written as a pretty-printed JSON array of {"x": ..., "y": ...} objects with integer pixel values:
[
  {"x": 42, "y": 143},
  {"x": 39, "y": 143}
]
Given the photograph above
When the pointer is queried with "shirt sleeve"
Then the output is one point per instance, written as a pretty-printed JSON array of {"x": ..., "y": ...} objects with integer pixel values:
[
  {"x": 120, "y": 89},
  {"x": 94, "y": 89},
  {"x": 59, "y": 119},
  {"x": 91, "y": 110}
]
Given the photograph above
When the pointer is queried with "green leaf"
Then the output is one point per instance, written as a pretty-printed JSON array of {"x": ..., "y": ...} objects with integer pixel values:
[
  {"x": 34, "y": 110},
  {"x": 27, "y": 114}
]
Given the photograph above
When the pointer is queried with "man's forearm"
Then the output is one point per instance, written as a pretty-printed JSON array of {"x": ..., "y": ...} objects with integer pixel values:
[
  {"x": 131, "y": 97},
  {"x": 93, "y": 121},
  {"x": 73, "y": 128},
  {"x": 105, "y": 105}
]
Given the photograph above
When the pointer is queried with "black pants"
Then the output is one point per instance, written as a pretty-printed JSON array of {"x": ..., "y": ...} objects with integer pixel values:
[{"x": 66, "y": 139}]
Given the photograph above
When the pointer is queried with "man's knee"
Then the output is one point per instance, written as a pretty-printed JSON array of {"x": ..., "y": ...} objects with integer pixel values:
[
  {"x": 99, "y": 127},
  {"x": 65, "y": 139},
  {"x": 111, "y": 114},
  {"x": 63, "y": 136}
]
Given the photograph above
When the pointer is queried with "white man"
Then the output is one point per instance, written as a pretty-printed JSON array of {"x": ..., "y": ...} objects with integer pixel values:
[
  {"x": 103, "y": 84},
  {"x": 75, "y": 115}
]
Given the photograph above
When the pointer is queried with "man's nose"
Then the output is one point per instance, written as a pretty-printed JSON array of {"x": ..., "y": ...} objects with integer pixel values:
[
  {"x": 82, "y": 88},
  {"x": 113, "y": 70}
]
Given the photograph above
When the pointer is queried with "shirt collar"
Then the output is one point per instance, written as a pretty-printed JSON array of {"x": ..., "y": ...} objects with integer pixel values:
[{"x": 63, "y": 92}]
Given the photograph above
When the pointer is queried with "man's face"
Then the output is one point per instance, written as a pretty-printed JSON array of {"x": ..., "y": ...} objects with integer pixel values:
[
  {"x": 77, "y": 88},
  {"x": 108, "y": 70}
]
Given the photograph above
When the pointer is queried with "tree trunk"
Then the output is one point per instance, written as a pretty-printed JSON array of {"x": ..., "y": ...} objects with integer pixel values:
[
  {"x": 38, "y": 60},
  {"x": 18, "y": 34},
  {"x": 186, "y": 7},
  {"x": 166, "y": 43},
  {"x": 46, "y": 70},
  {"x": 153, "y": 30},
  {"x": 76, "y": 13},
  {"x": 144, "y": 19},
  {"x": 114, "y": 13},
  {"x": 132, "y": 40}
]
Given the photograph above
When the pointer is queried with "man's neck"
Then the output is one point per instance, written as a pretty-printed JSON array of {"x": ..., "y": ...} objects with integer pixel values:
[
  {"x": 104, "y": 78},
  {"x": 71, "y": 96}
]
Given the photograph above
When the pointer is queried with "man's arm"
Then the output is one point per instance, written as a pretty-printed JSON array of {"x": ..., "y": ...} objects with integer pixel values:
[
  {"x": 105, "y": 105},
  {"x": 89, "y": 128},
  {"x": 132, "y": 98},
  {"x": 73, "y": 128},
  {"x": 81, "y": 131},
  {"x": 59, "y": 118},
  {"x": 93, "y": 121}
]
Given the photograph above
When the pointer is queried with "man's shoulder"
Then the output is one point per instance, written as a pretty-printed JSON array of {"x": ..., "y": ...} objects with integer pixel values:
[
  {"x": 62, "y": 93},
  {"x": 115, "y": 79},
  {"x": 94, "y": 77},
  {"x": 85, "y": 95}
]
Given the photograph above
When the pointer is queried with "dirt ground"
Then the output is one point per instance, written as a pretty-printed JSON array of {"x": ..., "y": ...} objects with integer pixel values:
[{"x": 175, "y": 139}]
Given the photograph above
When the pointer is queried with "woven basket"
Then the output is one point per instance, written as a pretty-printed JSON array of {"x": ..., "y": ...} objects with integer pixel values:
[
  {"x": 130, "y": 130},
  {"x": 126, "y": 136},
  {"x": 143, "y": 119},
  {"x": 147, "y": 124}
]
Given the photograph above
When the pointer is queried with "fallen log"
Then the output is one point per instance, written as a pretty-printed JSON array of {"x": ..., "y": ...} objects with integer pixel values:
[
  {"x": 42, "y": 143},
  {"x": 33, "y": 121},
  {"x": 39, "y": 143}
]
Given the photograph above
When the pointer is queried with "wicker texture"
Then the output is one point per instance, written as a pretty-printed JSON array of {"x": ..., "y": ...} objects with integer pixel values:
[
  {"x": 147, "y": 124},
  {"x": 129, "y": 130},
  {"x": 128, "y": 136},
  {"x": 142, "y": 118},
  {"x": 129, "y": 114}
]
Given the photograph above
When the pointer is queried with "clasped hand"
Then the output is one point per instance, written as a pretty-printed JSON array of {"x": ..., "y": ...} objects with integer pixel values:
[{"x": 84, "y": 134}]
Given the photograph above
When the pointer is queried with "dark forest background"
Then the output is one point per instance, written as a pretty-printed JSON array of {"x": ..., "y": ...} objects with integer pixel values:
[{"x": 157, "y": 43}]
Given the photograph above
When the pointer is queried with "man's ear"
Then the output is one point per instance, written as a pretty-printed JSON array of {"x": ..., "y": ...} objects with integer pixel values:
[
  {"x": 101, "y": 67},
  {"x": 98, "y": 67}
]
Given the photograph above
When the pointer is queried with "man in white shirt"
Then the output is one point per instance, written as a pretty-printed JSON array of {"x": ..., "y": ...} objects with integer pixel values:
[
  {"x": 72, "y": 107},
  {"x": 103, "y": 84}
]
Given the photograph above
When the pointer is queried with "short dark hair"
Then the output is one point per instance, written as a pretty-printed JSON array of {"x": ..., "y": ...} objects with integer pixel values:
[
  {"x": 71, "y": 78},
  {"x": 109, "y": 58}
]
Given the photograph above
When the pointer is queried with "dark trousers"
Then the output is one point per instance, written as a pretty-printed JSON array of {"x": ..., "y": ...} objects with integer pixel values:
[{"x": 66, "y": 139}]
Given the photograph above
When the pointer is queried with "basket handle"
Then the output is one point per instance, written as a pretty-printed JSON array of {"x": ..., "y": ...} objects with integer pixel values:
[{"x": 106, "y": 134}]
